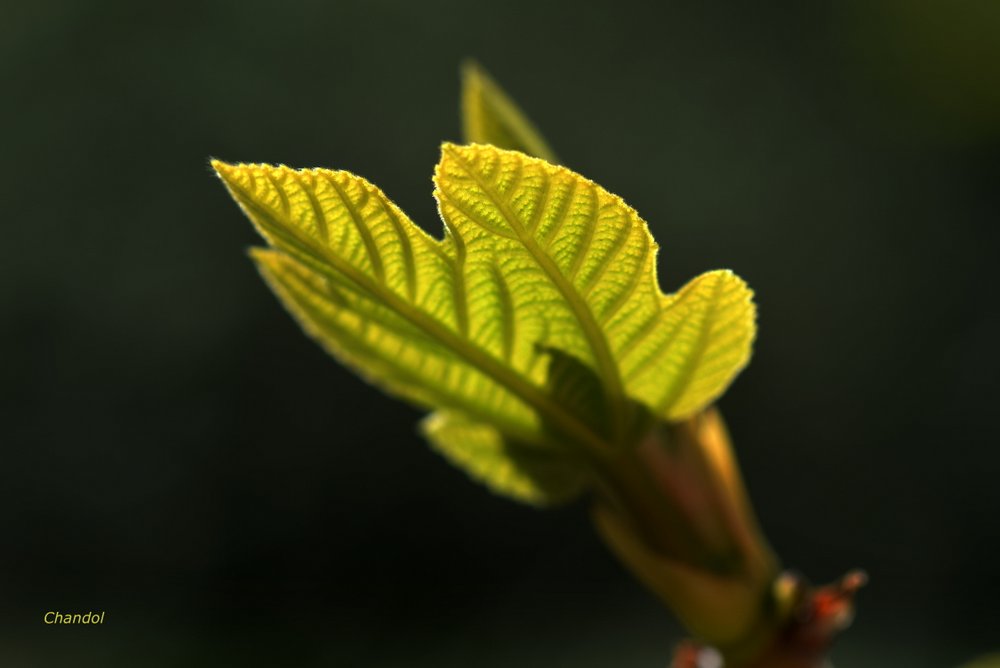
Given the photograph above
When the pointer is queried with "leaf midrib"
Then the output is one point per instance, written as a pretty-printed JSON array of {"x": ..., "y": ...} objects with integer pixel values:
[
  {"x": 357, "y": 346},
  {"x": 607, "y": 367},
  {"x": 502, "y": 374}
]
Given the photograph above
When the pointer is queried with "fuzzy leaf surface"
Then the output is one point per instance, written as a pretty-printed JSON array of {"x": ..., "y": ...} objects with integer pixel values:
[{"x": 534, "y": 326}]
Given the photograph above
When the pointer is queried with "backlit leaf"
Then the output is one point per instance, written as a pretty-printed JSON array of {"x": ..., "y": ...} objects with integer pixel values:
[
  {"x": 689, "y": 353},
  {"x": 535, "y": 327},
  {"x": 583, "y": 272}
]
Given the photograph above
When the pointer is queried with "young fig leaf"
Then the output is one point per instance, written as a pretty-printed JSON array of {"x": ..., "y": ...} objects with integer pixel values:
[
  {"x": 490, "y": 116},
  {"x": 543, "y": 281}
]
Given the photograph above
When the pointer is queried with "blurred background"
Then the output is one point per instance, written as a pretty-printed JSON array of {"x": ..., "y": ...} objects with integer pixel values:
[{"x": 176, "y": 453}]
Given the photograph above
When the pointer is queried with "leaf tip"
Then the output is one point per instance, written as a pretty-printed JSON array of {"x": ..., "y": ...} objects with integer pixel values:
[
  {"x": 450, "y": 148},
  {"x": 268, "y": 263},
  {"x": 450, "y": 152},
  {"x": 261, "y": 255},
  {"x": 470, "y": 70},
  {"x": 230, "y": 175},
  {"x": 223, "y": 169},
  {"x": 468, "y": 152}
]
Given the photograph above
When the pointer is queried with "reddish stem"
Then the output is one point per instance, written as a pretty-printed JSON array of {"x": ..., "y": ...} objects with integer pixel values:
[{"x": 803, "y": 642}]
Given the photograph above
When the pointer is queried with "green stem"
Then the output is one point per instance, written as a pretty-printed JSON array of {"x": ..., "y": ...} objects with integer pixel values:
[{"x": 675, "y": 512}]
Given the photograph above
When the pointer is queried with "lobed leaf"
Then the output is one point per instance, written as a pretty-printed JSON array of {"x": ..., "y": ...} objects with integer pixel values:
[
  {"x": 583, "y": 270},
  {"x": 535, "y": 325}
]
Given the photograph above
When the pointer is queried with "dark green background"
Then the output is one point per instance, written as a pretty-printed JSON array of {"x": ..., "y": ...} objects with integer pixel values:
[{"x": 176, "y": 453}]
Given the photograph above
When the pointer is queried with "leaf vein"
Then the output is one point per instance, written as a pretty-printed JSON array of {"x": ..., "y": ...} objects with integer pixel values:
[
  {"x": 583, "y": 248},
  {"x": 366, "y": 235}
]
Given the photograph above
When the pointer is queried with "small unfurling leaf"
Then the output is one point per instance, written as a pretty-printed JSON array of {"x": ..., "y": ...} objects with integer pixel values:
[{"x": 489, "y": 116}]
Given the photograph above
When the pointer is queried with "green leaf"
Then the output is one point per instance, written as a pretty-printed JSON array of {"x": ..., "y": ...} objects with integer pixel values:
[
  {"x": 489, "y": 116},
  {"x": 690, "y": 353},
  {"x": 583, "y": 267},
  {"x": 539, "y": 476},
  {"x": 535, "y": 326}
]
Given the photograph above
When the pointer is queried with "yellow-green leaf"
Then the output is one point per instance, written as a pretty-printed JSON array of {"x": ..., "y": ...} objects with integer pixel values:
[
  {"x": 582, "y": 268},
  {"x": 687, "y": 356},
  {"x": 489, "y": 116},
  {"x": 536, "y": 321},
  {"x": 531, "y": 474},
  {"x": 431, "y": 321}
]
